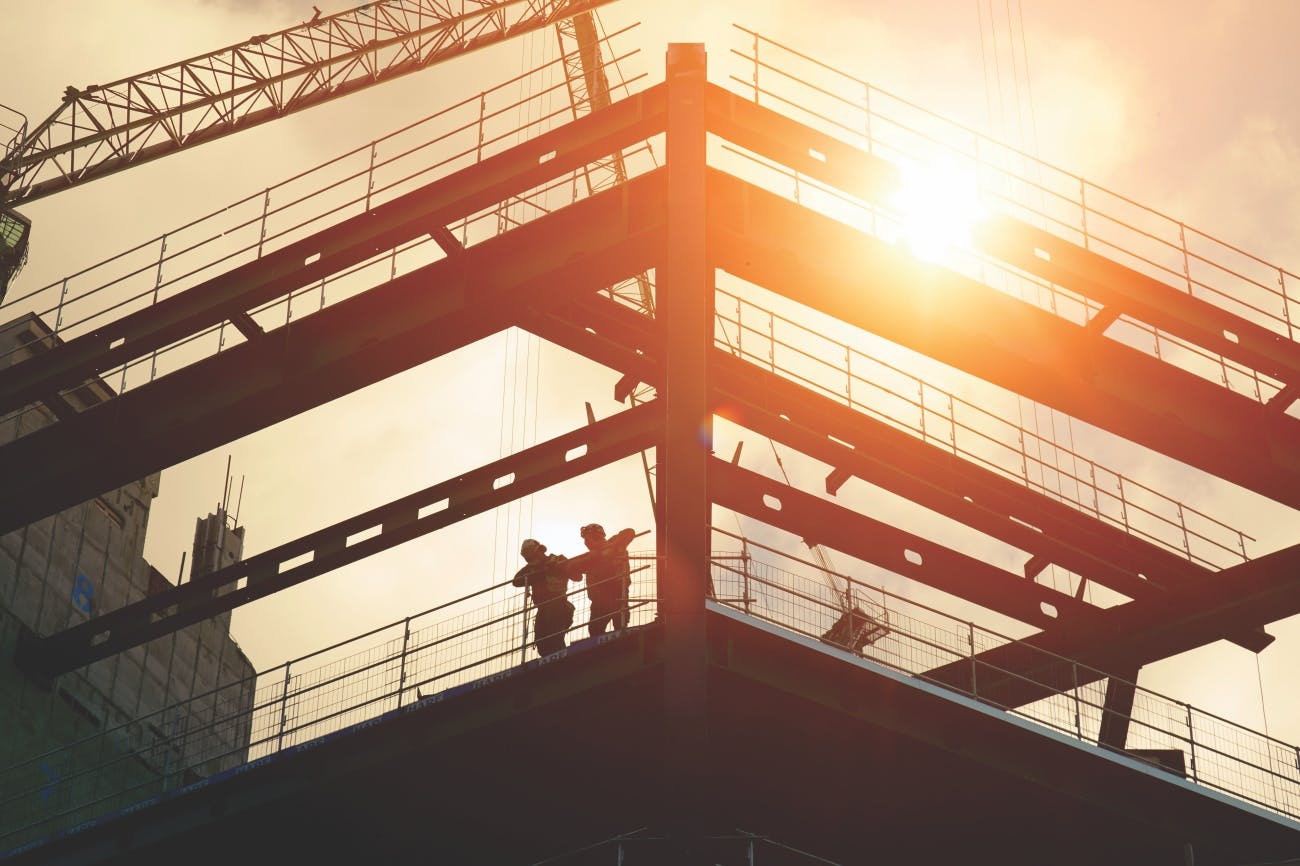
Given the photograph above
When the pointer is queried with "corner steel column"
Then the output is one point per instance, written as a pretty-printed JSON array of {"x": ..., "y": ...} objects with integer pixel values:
[{"x": 685, "y": 310}]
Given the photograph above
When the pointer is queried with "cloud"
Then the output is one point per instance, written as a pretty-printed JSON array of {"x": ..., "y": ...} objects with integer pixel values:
[{"x": 1248, "y": 189}]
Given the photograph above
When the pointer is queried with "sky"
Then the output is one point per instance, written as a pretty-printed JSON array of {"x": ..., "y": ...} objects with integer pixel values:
[{"x": 1189, "y": 112}]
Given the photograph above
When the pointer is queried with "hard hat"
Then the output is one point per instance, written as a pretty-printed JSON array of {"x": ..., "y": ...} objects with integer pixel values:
[
  {"x": 530, "y": 546},
  {"x": 592, "y": 529}
]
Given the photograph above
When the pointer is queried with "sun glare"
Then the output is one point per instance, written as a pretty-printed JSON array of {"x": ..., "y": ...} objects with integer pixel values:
[{"x": 938, "y": 206}]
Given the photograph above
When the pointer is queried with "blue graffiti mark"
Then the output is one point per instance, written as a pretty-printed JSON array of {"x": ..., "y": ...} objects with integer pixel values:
[{"x": 83, "y": 593}]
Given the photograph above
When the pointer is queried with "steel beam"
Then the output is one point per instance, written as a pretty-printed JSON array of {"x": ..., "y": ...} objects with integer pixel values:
[
  {"x": 818, "y": 521},
  {"x": 820, "y": 427},
  {"x": 1135, "y": 634},
  {"x": 427, "y": 210},
  {"x": 346, "y": 346},
  {"x": 685, "y": 313},
  {"x": 333, "y": 547},
  {"x": 828, "y": 266},
  {"x": 997, "y": 506},
  {"x": 1117, "y": 288},
  {"x": 1122, "y": 290}
]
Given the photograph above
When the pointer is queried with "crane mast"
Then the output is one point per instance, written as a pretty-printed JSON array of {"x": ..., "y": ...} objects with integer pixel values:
[{"x": 102, "y": 129}]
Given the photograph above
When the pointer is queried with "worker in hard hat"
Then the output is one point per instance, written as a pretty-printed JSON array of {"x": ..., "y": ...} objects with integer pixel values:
[
  {"x": 547, "y": 580},
  {"x": 609, "y": 576}
]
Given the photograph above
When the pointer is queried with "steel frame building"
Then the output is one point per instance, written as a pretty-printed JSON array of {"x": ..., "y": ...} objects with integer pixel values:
[{"x": 900, "y": 768}]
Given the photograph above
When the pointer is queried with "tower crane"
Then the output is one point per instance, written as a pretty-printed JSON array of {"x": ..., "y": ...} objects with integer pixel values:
[{"x": 101, "y": 129}]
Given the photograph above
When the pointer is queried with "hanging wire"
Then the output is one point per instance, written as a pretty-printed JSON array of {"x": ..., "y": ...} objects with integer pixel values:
[{"x": 1263, "y": 709}]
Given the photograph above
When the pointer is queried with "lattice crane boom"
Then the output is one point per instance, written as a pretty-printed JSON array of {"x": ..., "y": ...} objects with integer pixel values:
[{"x": 102, "y": 129}]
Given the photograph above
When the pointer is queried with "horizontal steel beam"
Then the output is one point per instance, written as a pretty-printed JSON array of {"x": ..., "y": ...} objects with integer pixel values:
[
  {"x": 818, "y": 521},
  {"x": 620, "y": 338},
  {"x": 863, "y": 446},
  {"x": 856, "y": 278},
  {"x": 1122, "y": 290},
  {"x": 1135, "y": 634},
  {"x": 342, "y": 348},
  {"x": 237, "y": 292},
  {"x": 333, "y": 547},
  {"x": 1119, "y": 289}
]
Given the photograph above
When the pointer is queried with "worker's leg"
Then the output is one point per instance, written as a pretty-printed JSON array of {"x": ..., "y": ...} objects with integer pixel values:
[
  {"x": 602, "y": 611},
  {"x": 551, "y": 625}
]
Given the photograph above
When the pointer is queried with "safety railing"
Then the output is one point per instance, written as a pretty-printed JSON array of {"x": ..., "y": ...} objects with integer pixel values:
[
  {"x": 131, "y": 766},
  {"x": 299, "y": 701},
  {"x": 1064, "y": 204},
  {"x": 13, "y": 132},
  {"x": 907, "y": 402},
  {"x": 454, "y": 138},
  {"x": 924, "y": 642}
]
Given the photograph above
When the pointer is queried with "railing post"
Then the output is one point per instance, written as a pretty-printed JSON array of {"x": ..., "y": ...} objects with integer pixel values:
[
  {"x": 952, "y": 424},
  {"x": 1187, "y": 265},
  {"x": 370, "y": 172},
  {"x": 63, "y": 294},
  {"x": 974, "y": 681},
  {"x": 482, "y": 112},
  {"x": 848, "y": 376},
  {"x": 1078, "y": 719},
  {"x": 866, "y": 106},
  {"x": 756, "y": 90},
  {"x": 401, "y": 677},
  {"x": 1286, "y": 303},
  {"x": 920, "y": 399},
  {"x": 744, "y": 564},
  {"x": 1123, "y": 504},
  {"x": 157, "y": 286},
  {"x": 266, "y": 210},
  {"x": 771, "y": 340},
  {"x": 740, "y": 332},
  {"x": 1083, "y": 210},
  {"x": 284, "y": 707},
  {"x": 1191, "y": 741},
  {"x": 523, "y": 642}
]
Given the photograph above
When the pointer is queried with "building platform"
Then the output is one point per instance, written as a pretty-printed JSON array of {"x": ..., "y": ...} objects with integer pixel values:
[{"x": 809, "y": 747}]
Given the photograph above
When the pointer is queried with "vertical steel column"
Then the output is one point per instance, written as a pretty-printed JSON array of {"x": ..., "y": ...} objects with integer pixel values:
[{"x": 686, "y": 313}]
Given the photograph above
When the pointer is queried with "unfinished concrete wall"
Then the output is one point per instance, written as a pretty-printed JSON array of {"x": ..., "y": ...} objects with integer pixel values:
[{"x": 167, "y": 704}]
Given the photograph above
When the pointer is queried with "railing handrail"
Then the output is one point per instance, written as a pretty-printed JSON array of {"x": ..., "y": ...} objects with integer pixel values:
[
  {"x": 328, "y": 680},
  {"x": 846, "y": 350},
  {"x": 1024, "y": 155}
]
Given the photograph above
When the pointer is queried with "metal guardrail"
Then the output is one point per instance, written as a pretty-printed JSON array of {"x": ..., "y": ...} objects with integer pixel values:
[
  {"x": 461, "y": 641},
  {"x": 1045, "y": 196},
  {"x": 433, "y": 147},
  {"x": 907, "y": 402},
  {"x": 1221, "y": 754},
  {"x": 302, "y": 700}
]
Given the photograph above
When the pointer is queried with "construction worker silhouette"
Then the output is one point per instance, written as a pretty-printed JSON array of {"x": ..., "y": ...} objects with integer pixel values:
[
  {"x": 546, "y": 578},
  {"x": 608, "y": 577}
]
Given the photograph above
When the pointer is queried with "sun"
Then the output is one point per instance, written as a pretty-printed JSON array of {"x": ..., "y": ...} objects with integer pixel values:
[{"x": 938, "y": 206}]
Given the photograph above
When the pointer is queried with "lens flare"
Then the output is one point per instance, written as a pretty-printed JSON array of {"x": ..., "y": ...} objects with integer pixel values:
[{"x": 939, "y": 206}]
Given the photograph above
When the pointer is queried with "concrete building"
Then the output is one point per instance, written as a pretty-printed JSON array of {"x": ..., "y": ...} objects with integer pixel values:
[{"x": 65, "y": 569}]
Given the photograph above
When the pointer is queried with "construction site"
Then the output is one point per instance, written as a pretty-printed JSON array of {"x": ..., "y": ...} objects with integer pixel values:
[{"x": 929, "y": 468}]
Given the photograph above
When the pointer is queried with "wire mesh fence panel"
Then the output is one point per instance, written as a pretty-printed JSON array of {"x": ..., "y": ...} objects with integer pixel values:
[{"x": 465, "y": 640}]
